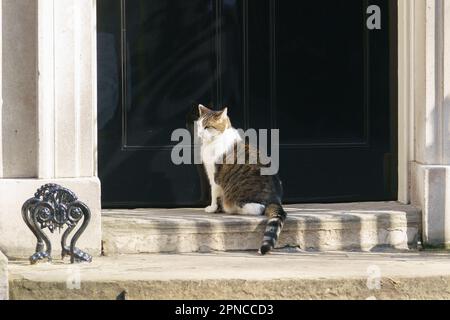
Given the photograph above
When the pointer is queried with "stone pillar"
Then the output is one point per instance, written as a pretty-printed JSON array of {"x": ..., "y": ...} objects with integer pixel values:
[
  {"x": 431, "y": 167},
  {"x": 4, "y": 285},
  {"x": 49, "y": 113}
]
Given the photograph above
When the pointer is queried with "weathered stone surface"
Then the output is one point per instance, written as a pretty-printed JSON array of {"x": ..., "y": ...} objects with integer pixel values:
[
  {"x": 240, "y": 276},
  {"x": 17, "y": 241},
  {"x": 431, "y": 192},
  {"x": 48, "y": 121},
  {"x": 330, "y": 227},
  {"x": 19, "y": 89},
  {"x": 4, "y": 290}
]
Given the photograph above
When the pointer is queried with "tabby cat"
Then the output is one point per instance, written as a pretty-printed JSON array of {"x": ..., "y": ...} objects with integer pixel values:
[{"x": 238, "y": 186}]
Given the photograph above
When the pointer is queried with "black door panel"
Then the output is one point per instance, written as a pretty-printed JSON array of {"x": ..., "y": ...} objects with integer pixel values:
[{"x": 310, "y": 68}]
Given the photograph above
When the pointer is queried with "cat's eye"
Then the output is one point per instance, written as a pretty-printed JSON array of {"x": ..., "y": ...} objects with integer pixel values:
[{"x": 207, "y": 128}]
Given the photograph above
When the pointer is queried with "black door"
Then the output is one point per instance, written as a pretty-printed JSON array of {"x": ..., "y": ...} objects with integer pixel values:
[{"x": 310, "y": 68}]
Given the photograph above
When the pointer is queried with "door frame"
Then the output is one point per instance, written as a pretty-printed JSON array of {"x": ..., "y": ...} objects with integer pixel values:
[
  {"x": 406, "y": 47},
  {"x": 405, "y": 64}
]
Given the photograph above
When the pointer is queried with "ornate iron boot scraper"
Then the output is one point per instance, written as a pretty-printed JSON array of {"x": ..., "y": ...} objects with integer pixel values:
[{"x": 54, "y": 207}]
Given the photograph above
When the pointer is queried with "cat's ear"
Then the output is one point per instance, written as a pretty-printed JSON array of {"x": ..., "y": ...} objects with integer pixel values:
[
  {"x": 224, "y": 113},
  {"x": 202, "y": 110}
]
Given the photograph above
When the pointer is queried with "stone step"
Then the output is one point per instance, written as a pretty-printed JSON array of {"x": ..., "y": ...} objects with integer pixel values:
[
  {"x": 412, "y": 275},
  {"x": 319, "y": 227}
]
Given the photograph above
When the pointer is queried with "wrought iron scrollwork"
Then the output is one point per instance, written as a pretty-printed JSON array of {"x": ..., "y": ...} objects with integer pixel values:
[{"x": 56, "y": 208}]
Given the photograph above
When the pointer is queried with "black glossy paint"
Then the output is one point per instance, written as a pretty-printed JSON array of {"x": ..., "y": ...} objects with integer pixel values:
[{"x": 309, "y": 68}]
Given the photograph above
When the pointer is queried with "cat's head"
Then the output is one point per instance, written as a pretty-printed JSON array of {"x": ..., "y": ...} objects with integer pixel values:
[{"x": 212, "y": 124}]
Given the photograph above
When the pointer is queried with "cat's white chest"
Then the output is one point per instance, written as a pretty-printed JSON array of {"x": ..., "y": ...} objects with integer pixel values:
[
  {"x": 215, "y": 150},
  {"x": 209, "y": 161}
]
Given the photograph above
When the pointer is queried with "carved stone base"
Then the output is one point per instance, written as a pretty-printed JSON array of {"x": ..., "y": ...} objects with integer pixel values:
[{"x": 55, "y": 208}]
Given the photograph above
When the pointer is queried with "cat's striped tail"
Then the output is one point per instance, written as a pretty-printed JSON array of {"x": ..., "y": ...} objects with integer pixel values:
[{"x": 277, "y": 216}]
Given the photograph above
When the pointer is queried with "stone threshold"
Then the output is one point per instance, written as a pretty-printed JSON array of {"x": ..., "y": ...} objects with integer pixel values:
[
  {"x": 281, "y": 275},
  {"x": 310, "y": 227}
]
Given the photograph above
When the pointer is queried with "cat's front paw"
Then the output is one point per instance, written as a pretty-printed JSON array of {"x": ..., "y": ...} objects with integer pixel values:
[{"x": 212, "y": 209}]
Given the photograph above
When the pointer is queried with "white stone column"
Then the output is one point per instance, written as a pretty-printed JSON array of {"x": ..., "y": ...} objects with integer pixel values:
[
  {"x": 19, "y": 83},
  {"x": 51, "y": 86},
  {"x": 431, "y": 166},
  {"x": 4, "y": 281},
  {"x": 67, "y": 88},
  {"x": 4, "y": 285},
  {"x": 1, "y": 94}
]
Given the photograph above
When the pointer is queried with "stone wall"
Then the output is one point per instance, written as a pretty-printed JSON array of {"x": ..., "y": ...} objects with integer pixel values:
[
  {"x": 48, "y": 116},
  {"x": 19, "y": 87},
  {"x": 430, "y": 185}
]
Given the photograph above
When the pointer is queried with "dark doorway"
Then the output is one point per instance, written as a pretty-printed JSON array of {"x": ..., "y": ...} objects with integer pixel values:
[{"x": 310, "y": 68}]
